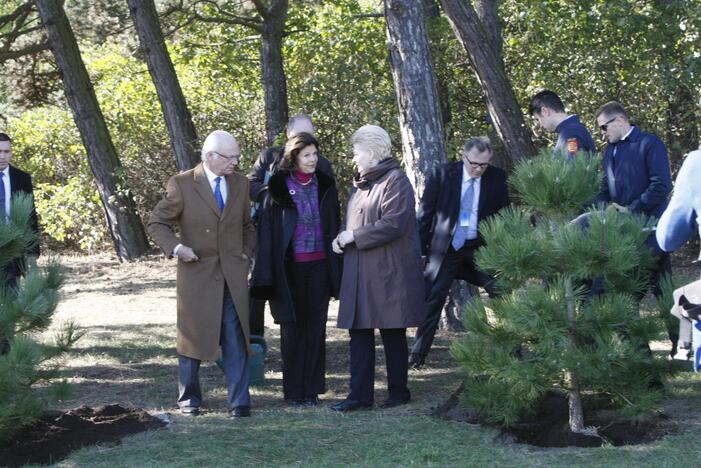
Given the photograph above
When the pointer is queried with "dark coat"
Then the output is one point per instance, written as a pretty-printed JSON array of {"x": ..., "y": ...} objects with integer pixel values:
[
  {"x": 382, "y": 285},
  {"x": 21, "y": 182},
  {"x": 277, "y": 220},
  {"x": 440, "y": 209},
  {"x": 640, "y": 178}
]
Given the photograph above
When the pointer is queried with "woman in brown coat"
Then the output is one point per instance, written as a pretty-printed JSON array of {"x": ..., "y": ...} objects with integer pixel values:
[{"x": 382, "y": 285}]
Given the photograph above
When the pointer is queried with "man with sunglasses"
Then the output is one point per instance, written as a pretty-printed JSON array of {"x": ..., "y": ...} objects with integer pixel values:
[
  {"x": 457, "y": 197},
  {"x": 211, "y": 208},
  {"x": 572, "y": 136},
  {"x": 637, "y": 179}
]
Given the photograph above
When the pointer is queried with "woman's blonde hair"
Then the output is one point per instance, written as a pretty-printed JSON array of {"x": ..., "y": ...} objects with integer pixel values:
[{"x": 375, "y": 140}]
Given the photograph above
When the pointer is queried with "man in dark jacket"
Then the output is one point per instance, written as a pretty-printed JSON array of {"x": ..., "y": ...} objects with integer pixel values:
[
  {"x": 547, "y": 108},
  {"x": 259, "y": 176},
  {"x": 637, "y": 179},
  {"x": 14, "y": 181},
  {"x": 457, "y": 197}
]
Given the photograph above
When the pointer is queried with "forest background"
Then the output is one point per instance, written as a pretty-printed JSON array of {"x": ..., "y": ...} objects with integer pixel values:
[{"x": 645, "y": 54}]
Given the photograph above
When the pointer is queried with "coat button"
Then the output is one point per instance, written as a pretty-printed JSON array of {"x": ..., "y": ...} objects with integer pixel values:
[
  {"x": 216, "y": 278},
  {"x": 207, "y": 230}
]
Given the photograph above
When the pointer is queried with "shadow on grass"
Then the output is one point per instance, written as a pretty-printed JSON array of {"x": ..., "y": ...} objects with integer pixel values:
[{"x": 125, "y": 289}]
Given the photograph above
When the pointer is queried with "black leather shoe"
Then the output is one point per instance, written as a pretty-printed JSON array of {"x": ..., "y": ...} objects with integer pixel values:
[
  {"x": 189, "y": 411},
  {"x": 350, "y": 405},
  {"x": 416, "y": 361},
  {"x": 241, "y": 412},
  {"x": 392, "y": 402}
]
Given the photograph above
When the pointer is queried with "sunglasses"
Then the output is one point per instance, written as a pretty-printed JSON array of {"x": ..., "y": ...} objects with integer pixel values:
[{"x": 605, "y": 125}]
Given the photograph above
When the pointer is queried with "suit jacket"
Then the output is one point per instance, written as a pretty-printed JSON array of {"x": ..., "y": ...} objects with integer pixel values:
[
  {"x": 21, "y": 182},
  {"x": 220, "y": 240},
  {"x": 439, "y": 209}
]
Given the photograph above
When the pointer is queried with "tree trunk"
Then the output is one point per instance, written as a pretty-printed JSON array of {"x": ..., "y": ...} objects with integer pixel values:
[
  {"x": 460, "y": 294},
  {"x": 576, "y": 415},
  {"x": 273, "y": 72},
  {"x": 504, "y": 110},
  {"x": 488, "y": 14},
  {"x": 415, "y": 85},
  {"x": 432, "y": 14},
  {"x": 182, "y": 132},
  {"x": 125, "y": 227}
]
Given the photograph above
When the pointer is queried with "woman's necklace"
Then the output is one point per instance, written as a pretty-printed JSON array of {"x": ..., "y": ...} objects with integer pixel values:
[{"x": 300, "y": 182}]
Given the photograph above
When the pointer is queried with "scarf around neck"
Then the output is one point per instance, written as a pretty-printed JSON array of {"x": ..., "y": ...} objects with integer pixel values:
[{"x": 363, "y": 180}]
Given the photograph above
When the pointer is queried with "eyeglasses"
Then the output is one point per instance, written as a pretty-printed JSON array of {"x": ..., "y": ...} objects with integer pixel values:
[
  {"x": 476, "y": 164},
  {"x": 233, "y": 157},
  {"x": 605, "y": 125}
]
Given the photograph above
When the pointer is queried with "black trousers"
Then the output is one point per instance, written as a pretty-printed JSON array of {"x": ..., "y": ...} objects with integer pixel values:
[
  {"x": 362, "y": 364},
  {"x": 303, "y": 342},
  {"x": 458, "y": 264},
  {"x": 257, "y": 316},
  {"x": 10, "y": 277}
]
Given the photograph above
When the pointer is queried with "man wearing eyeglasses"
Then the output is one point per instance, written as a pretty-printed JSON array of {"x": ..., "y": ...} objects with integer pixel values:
[
  {"x": 637, "y": 179},
  {"x": 211, "y": 207},
  {"x": 572, "y": 136},
  {"x": 457, "y": 197}
]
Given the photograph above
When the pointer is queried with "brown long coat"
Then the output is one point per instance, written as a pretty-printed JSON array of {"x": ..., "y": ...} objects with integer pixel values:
[
  {"x": 219, "y": 240},
  {"x": 382, "y": 284}
]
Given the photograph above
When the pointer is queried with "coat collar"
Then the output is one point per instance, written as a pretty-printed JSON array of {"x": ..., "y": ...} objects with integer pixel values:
[{"x": 204, "y": 190}]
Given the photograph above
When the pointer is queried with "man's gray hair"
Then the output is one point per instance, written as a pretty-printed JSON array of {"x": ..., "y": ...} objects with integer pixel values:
[
  {"x": 214, "y": 141},
  {"x": 375, "y": 140},
  {"x": 295, "y": 119},
  {"x": 480, "y": 143}
]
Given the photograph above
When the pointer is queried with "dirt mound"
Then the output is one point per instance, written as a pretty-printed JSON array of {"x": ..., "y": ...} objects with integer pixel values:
[
  {"x": 56, "y": 435},
  {"x": 548, "y": 426}
]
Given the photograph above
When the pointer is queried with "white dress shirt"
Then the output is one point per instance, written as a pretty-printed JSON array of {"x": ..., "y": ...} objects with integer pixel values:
[
  {"x": 8, "y": 189},
  {"x": 212, "y": 183}
]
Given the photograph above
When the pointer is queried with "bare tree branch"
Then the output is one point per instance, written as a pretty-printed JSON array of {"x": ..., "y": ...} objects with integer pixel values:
[
  {"x": 29, "y": 50},
  {"x": 23, "y": 9}
]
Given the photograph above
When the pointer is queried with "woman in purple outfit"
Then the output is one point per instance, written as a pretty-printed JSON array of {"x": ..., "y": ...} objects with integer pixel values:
[{"x": 296, "y": 268}]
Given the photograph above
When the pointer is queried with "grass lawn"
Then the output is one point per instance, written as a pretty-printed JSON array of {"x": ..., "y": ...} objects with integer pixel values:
[{"x": 127, "y": 357}]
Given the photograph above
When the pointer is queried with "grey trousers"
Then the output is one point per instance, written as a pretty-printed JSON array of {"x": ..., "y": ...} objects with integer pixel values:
[{"x": 235, "y": 364}]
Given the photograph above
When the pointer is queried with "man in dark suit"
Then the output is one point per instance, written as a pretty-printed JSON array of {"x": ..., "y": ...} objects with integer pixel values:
[
  {"x": 457, "y": 197},
  {"x": 13, "y": 182}
]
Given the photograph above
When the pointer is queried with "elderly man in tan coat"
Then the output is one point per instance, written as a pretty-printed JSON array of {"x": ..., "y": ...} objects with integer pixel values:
[{"x": 210, "y": 206}]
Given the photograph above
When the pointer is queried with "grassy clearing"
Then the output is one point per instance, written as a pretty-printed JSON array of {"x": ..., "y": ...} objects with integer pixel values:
[{"x": 126, "y": 356}]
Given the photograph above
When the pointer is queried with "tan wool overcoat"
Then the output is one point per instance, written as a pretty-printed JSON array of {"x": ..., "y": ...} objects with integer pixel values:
[{"x": 224, "y": 243}]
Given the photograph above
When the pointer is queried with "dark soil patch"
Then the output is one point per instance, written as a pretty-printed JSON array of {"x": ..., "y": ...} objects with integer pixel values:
[
  {"x": 57, "y": 434},
  {"x": 548, "y": 426}
]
